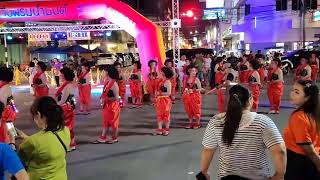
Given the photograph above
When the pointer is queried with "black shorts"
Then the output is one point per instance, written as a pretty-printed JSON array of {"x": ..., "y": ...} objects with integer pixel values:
[{"x": 300, "y": 167}]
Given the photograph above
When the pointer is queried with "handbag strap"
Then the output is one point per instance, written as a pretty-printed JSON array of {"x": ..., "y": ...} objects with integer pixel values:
[{"x": 60, "y": 140}]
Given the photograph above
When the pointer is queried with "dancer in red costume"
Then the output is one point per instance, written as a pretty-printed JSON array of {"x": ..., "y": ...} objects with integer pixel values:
[
  {"x": 303, "y": 71},
  {"x": 163, "y": 103},
  {"x": 244, "y": 69},
  {"x": 314, "y": 61},
  {"x": 275, "y": 86},
  {"x": 261, "y": 70},
  {"x": 135, "y": 83},
  {"x": 111, "y": 106},
  {"x": 254, "y": 83},
  {"x": 40, "y": 82},
  {"x": 191, "y": 97},
  {"x": 169, "y": 63},
  {"x": 65, "y": 98},
  {"x": 9, "y": 113},
  {"x": 121, "y": 84},
  {"x": 152, "y": 79},
  {"x": 219, "y": 78},
  {"x": 84, "y": 86}
]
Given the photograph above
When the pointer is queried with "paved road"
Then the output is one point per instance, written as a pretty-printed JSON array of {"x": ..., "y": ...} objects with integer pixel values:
[{"x": 138, "y": 155}]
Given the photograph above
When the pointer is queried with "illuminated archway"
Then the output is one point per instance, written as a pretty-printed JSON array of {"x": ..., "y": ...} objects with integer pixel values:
[{"x": 147, "y": 34}]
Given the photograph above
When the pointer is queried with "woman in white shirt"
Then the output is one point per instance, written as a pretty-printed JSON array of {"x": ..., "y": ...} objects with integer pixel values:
[{"x": 242, "y": 138}]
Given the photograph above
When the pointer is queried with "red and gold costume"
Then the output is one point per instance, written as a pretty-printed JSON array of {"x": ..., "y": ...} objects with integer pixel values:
[
  {"x": 163, "y": 104},
  {"x": 255, "y": 89},
  {"x": 111, "y": 109},
  {"x": 135, "y": 84},
  {"x": 8, "y": 114},
  {"x": 244, "y": 72},
  {"x": 301, "y": 72},
  {"x": 68, "y": 112},
  {"x": 122, "y": 87},
  {"x": 191, "y": 98},
  {"x": 314, "y": 70},
  {"x": 84, "y": 88},
  {"x": 40, "y": 90},
  {"x": 275, "y": 89},
  {"x": 261, "y": 73},
  {"x": 173, "y": 81},
  {"x": 219, "y": 78},
  {"x": 152, "y": 82}
]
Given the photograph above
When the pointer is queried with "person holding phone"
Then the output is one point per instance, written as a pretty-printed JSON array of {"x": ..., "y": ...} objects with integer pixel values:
[
  {"x": 9, "y": 160},
  {"x": 9, "y": 113},
  {"x": 44, "y": 153}
]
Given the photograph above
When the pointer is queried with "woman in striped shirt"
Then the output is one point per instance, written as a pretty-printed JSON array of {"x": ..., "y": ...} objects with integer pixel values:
[{"x": 242, "y": 138}]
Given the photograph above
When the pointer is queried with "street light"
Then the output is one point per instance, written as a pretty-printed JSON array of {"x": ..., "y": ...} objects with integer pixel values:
[{"x": 190, "y": 13}]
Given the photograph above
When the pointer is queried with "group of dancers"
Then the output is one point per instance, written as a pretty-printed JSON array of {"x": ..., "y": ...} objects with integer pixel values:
[{"x": 161, "y": 85}]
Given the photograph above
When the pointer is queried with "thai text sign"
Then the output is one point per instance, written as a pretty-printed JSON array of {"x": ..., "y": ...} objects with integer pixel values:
[
  {"x": 82, "y": 35},
  {"x": 39, "y": 37}
]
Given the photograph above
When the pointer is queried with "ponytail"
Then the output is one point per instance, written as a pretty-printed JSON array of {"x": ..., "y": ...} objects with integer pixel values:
[{"x": 239, "y": 98}]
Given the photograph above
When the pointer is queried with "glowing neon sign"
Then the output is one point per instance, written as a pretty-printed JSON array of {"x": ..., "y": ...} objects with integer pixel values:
[{"x": 82, "y": 35}]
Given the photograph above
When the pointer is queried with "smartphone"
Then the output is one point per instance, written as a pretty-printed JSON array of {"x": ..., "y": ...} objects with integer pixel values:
[
  {"x": 201, "y": 176},
  {"x": 11, "y": 128}
]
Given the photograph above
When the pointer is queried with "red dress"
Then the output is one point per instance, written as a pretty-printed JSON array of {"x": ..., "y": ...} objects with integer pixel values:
[
  {"x": 152, "y": 82},
  {"x": 69, "y": 114},
  {"x": 8, "y": 114},
  {"x": 275, "y": 90},
  {"x": 219, "y": 78},
  {"x": 255, "y": 90},
  {"x": 163, "y": 104},
  {"x": 135, "y": 85},
  {"x": 299, "y": 71},
  {"x": 111, "y": 109},
  {"x": 122, "y": 87},
  {"x": 314, "y": 71},
  {"x": 191, "y": 98},
  {"x": 84, "y": 90},
  {"x": 39, "y": 91}
]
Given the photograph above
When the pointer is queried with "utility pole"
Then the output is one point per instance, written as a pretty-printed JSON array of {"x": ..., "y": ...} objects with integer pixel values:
[{"x": 303, "y": 23}]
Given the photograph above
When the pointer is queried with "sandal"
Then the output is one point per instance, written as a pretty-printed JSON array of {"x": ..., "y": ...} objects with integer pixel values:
[
  {"x": 101, "y": 140},
  {"x": 197, "y": 126},
  {"x": 189, "y": 126}
]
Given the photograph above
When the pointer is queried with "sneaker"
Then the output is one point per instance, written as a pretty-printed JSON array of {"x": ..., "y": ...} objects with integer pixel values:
[
  {"x": 189, "y": 126},
  {"x": 101, "y": 140},
  {"x": 166, "y": 132},
  {"x": 72, "y": 148},
  {"x": 197, "y": 126},
  {"x": 158, "y": 132},
  {"x": 272, "y": 112},
  {"x": 113, "y": 141}
]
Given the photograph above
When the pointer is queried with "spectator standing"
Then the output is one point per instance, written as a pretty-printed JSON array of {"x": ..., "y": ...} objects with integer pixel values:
[
  {"x": 302, "y": 135},
  {"x": 57, "y": 66},
  {"x": 242, "y": 138},
  {"x": 44, "y": 153},
  {"x": 199, "y": 64},
  {"x": 207, "y": 61}
]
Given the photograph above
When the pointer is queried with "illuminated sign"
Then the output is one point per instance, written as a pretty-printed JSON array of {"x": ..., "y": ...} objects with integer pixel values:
[
  {"x": 316, "y": 16},
  {"x": 39, "y": 37},
  {"x": 82, "y": 35},
  {"x": 215, "y": 3},
  {"x": 209, "y": 14},
  {"x": 33, "y": 11}
]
